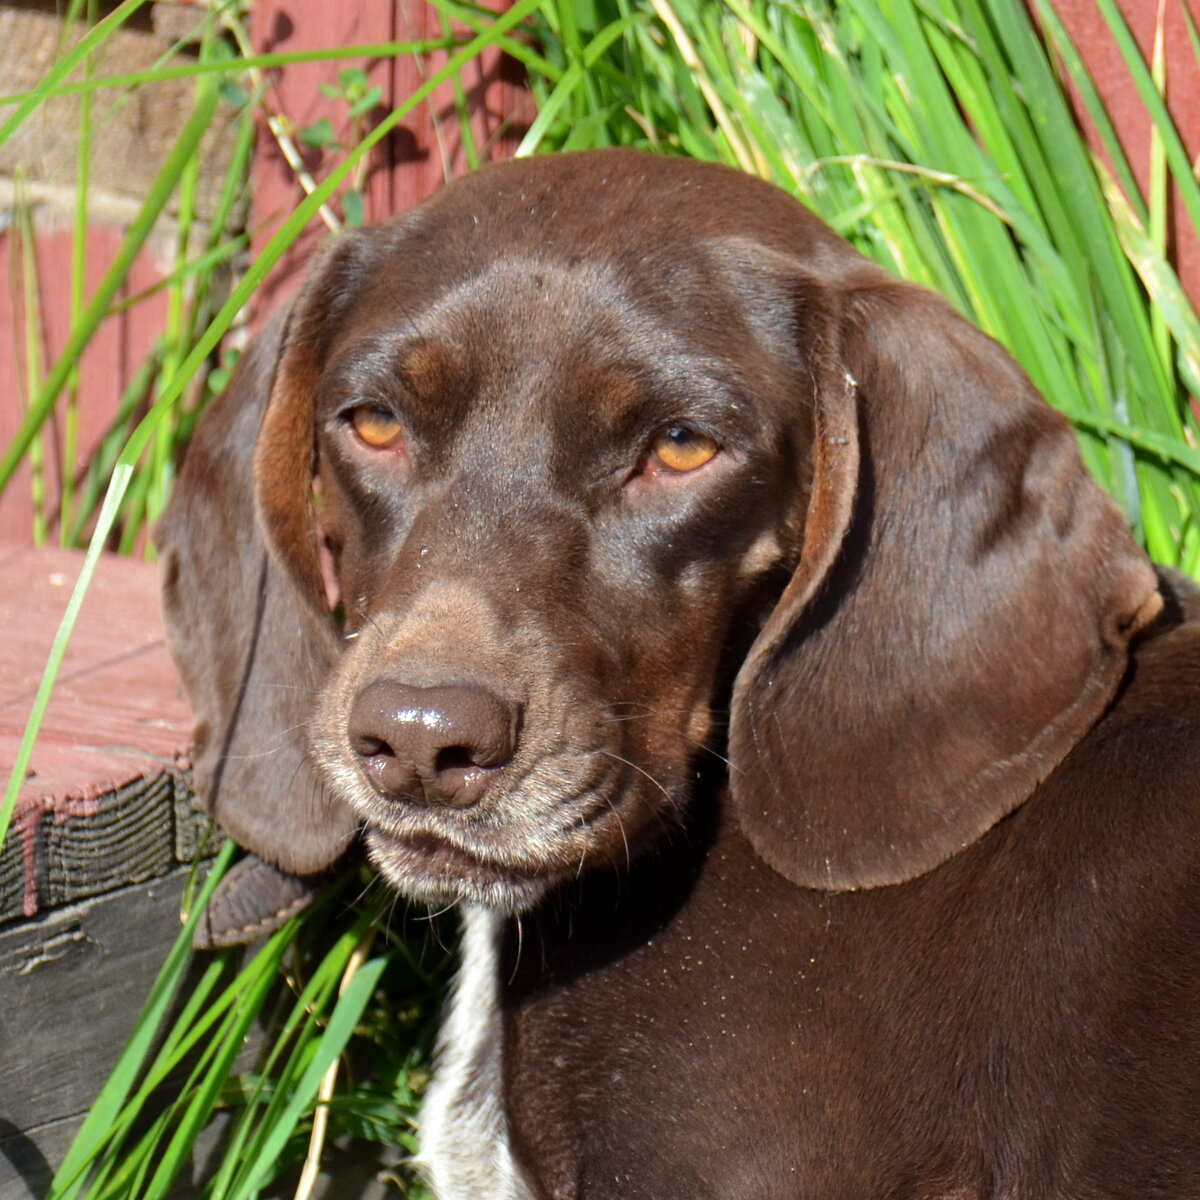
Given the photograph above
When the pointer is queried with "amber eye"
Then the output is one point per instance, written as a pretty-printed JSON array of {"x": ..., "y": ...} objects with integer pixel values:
[
  {"x": 680, "y": 448},
  {"x": 377, "y": 426}
]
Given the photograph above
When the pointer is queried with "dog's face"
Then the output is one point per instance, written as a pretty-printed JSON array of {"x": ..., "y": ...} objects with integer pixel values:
[
  {"x": 598, "y": 448},
  {"x": 548, "y": 506}
]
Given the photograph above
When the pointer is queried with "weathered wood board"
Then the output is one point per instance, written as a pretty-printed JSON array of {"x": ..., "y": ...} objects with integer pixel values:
[
  {"x": 105, "y": 801},
  {"x": 72, "y": 983},
  {"x": 91, "y": 872}
]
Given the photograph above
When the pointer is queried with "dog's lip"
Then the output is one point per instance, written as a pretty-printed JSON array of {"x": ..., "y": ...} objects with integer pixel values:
[{"x": 435, "y": 858}]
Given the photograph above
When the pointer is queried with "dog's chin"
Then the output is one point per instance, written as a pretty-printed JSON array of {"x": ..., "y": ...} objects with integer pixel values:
[{"x": 438, "y": 873}]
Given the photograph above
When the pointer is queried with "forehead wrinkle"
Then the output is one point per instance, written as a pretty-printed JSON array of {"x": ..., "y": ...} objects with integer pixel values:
[
  {"x": 532, "y": 301},
  {"x": 530, "y": 330},
  {"x": 594, "y": 323},
  {"x": 503, "y": 305}
]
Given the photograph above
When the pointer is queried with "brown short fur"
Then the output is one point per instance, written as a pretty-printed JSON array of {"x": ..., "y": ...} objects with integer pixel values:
[{"x": 844, "y": 785}]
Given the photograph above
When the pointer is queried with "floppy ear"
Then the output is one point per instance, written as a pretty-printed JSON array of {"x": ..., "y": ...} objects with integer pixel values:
[
  {"x": 285, "y": 453},
  {"x": 960, "y": 615},
  {"x": 251, "y": 649}
]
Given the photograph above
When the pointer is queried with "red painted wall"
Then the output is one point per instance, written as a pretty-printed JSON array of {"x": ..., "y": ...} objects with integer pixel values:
[
  {"x": 424, "y": 152},
  {"x": 110, "y": 362}
]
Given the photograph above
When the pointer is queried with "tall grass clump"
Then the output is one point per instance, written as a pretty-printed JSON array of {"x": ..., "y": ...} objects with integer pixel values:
[
  {"x": 938, "y": 139},
  {"x": 936, "y": 135}
]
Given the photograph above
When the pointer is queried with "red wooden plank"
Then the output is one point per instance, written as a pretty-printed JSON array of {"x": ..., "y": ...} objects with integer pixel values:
[
  {"x": 117, "y": 713},
  {"x": 101, "y": 369},
  {"x": 434, "y": 149},
  {"x": 281, "y": 26}
]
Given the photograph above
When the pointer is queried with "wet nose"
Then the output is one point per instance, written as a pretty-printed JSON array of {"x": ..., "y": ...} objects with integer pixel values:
[{"x": 432, "y": 745}]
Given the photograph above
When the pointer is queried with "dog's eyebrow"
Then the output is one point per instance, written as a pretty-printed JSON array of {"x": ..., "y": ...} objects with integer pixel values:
[
  {"x": 615, "y": 392},
  {"x": 628, "y": 399},
  {"x": 422, "y": 366},
  {"x": 427, "y": 367}
]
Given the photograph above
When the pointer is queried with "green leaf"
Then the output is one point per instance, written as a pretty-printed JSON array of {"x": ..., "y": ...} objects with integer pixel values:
[
  {"x": 370, "y": 99},
  {"x": 352, "y": 81},
  {"x": 234, "y": 95},
  {"x": 352, "y": 208},
  {"x": 318, "y": 135}
]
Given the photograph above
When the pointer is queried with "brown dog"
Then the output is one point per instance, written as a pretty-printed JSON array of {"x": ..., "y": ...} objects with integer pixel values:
[{"x": 744, "y": 621}]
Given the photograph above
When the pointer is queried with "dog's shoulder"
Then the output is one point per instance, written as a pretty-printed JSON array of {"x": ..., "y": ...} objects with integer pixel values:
[
  {"x": 1153, "y": 725},
  {"x": 1126, "y": 801}
]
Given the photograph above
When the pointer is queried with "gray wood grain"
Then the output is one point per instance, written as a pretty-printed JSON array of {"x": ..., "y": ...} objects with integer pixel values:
[{"x": 71, "y": 986}]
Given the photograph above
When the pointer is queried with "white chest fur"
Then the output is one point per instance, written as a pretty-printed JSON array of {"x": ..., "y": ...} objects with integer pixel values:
[{"x": 465, "y": 1151}]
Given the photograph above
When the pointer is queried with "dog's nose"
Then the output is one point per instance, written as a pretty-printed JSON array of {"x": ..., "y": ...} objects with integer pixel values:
[{"x": 432, "y": 745}]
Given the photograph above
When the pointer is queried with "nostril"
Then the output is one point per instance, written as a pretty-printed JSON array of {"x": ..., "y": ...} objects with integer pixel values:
[
  {"x": 367, "y": 746},
  {"x": 454, "y": 758},
  {"x": 436, "y": 745},
  {"x": 459, "y": 777},
  {"x": 461, "y": 787},
  {"x": 383, "y": 769}
]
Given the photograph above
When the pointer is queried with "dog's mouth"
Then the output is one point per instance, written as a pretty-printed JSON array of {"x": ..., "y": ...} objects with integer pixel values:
[
  {"x": 433, "y": 869},
  {"x": 438, "y": 859}
]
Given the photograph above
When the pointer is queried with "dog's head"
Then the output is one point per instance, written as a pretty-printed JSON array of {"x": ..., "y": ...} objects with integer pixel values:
[{"x": 608, "y": 461}]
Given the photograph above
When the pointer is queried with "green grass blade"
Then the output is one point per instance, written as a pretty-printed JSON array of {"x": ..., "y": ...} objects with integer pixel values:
[
  {"x": 345, "y": 1016},
  {"x": 207, "y": 1086},
  {"x": 58, "y": 650},
  {"x": 265, "y": 62},
  {"x": 68, "y": 1179},
  {"x": 1154, "y": 104}
]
